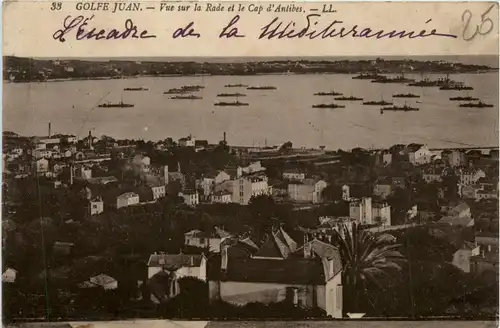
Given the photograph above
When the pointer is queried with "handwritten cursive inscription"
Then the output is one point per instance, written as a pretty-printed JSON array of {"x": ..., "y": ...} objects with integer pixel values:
[
  {"x": 231, "y": 31},
  {"x": 277, "y": 29},
  {"x": 480, "y": 28},
  {"x": 185, "y": 32},
  {"x": 85, "y": 32}
]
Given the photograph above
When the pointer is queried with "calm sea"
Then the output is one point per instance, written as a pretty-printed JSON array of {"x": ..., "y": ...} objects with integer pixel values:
[{"x": 271, "y": 118}]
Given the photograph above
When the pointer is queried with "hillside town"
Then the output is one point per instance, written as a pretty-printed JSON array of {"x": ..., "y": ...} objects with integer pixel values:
[
  {"x": 99, "y": 228},
  {"x": 17, "y": 69}
]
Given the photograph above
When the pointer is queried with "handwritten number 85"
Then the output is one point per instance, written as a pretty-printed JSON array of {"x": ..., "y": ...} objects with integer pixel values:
[
  {"x": 481, "y": 28},
  {"x": 56, "y": 6}
]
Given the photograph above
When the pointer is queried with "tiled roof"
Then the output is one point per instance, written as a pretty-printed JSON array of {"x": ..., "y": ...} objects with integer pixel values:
[
  {"x": 459, "y": 208},
  {"x": 128, "y": 195},
  {"x": 455, "y": 220},
  {"x": 174, "y": 261},
  {"x": 323, "y": 250},
  {"x": 102, "y": 280},
  {"x": 279, "y": 245}
]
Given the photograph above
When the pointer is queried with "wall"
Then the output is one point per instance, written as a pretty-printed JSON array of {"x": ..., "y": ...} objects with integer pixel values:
[
  {"x": 300, "y": 192},
  {"x": 246, "y": 292},
  {"x": 334, "y": 296}
]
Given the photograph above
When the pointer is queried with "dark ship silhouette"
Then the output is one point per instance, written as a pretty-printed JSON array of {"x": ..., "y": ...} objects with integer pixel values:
[
  {"x": 377, "y": 103},
  {"x": 328, "y": 106},
  {"x": 121, "y": 104},
  {"x": 332, "y": 93},
  {"x": 233, "y": 103},
  {"x": 237, "y": 94},
  {"x": 368, "y": 76},
  {"x": 405, "y": 95},
  {"x": 262, "y": 88},
  {"x": 192, "y": 87},
  {"x": 235, "y": 86},
  {"x": 476, "y": 105},
  {"x": 397, "y": 79},
  {"x": 188, "y": 97},
  {"x": 136, "y": 89},
  {"x": 351, "y": 98},
  {"x": 404, "y": 108},
  {"x": 175, "y": 91},
  {"x": 456, "y": 87},
  {"x": 463, "y": 98}
]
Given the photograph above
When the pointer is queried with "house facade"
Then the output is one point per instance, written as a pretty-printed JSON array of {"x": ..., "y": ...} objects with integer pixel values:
[
  {"x": 200, "y": 239},
  {"x": 360, "y": 210},
  {"x": 191, "y": 197},
  {"x": 221, "y": 197},
  {"x": 245, "y": 187},
  {"x": 294, "y": 175},
  {"x": 307, "y": 191},
  {"x": 381, "y": 213},
  {"x": 96, "y": 206},
  {"x": 209, "y": 182},
  {"x": 419, "y": 155},
  {"x": 279, "y": 272},
  {"x": 127, "y": 199}
]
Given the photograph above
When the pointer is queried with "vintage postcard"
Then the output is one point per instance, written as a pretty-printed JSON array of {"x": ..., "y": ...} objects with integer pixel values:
[{"x": 243, "y": 161}]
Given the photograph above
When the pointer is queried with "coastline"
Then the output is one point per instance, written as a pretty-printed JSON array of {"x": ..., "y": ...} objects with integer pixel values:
[{"x": 105, "y": 78}]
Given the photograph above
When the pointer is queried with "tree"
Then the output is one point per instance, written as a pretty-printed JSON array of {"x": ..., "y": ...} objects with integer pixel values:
[{"x": 367, "y": 259}]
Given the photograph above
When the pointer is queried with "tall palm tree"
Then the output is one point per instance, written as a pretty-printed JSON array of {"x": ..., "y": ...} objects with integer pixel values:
[{"x": 367, "y": 259}]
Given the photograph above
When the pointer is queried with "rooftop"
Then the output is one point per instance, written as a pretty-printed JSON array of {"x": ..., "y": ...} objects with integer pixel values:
[{"x": 174, "y": 261}]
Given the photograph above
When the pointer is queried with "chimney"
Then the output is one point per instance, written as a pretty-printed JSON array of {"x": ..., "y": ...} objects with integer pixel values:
[
  {"x": 90, "y": 139},
  {"x": 224, "y": 258},
  {"x": 224, "y": 136},
  {"x": 50, "y": 129}
]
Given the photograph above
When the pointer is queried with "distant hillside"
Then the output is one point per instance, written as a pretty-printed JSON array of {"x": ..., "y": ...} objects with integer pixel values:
[{"x": 25, "y": 69}]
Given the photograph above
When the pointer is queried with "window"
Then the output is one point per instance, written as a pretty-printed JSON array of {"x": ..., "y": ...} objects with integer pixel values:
[{"x": 202, "y": 240}]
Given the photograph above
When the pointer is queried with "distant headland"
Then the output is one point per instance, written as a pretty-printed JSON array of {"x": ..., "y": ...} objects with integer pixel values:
[{"x": 18, "y": 69}]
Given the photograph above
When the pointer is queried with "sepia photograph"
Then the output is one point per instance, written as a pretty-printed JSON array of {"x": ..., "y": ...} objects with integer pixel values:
[{"x": 232, "y": 188}]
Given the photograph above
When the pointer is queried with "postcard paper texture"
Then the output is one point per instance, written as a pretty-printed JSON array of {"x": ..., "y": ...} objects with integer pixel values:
[
  {"x": 229, "y": 162},
  {"x": 63, "y": 29}
]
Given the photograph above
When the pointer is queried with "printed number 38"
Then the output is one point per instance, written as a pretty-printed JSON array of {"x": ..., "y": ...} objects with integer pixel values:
[
  {"x": 56, "y": 6},
  {"x": 485, "y": 27}
]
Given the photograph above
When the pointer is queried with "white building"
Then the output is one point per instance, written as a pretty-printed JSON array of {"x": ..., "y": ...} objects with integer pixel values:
[
  {"x": 127, "y": 199},
  {"x": 71, "y": 139},
  {"x": 247, "y": 186},
  {"x": 212, "y": 241},
  {"x": 96, "y": 206},
  {"x": 85, "y": 172},
  {"x": 255, "y": 167},
  {"x": 361, "y": 210},
  {"x": 222, "y": 197},
  {"x": 468, "y": 177},
  {"x": 41, "y": 166},
  {"x": 42, "y": 153},
  {"x": 9, "y": 275},
  {"x": 210, "y": 181},
  {"x": 190, "y": 141},
  {"x": 420, "y": 155},
  {"x": 159, "y": 191},
  {"x": 381, "y": 212},
  {"x": 191, "y": 197},
  {"x": 309, "y": 191},
  {"x": 294, "y": 175}
]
